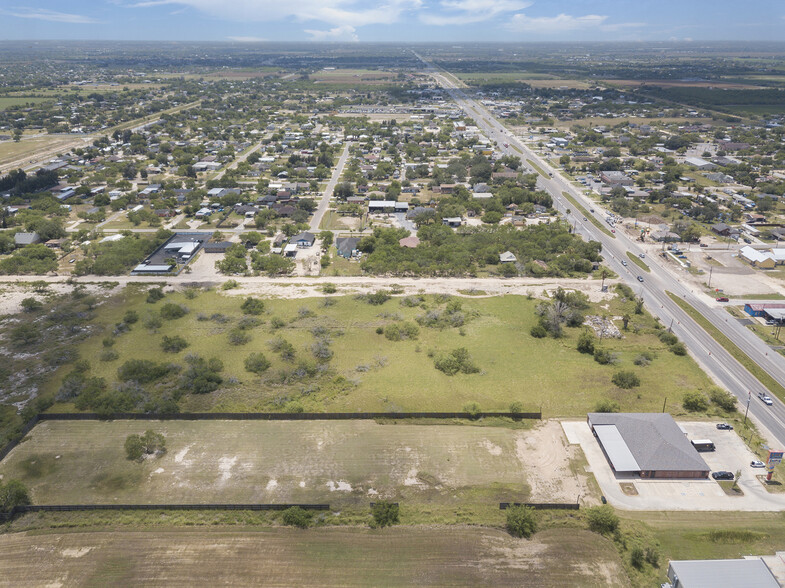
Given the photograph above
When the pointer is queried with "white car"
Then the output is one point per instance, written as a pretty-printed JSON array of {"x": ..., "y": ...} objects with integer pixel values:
[
  {"x": 766, "y": 399},
  {"x": 757, "y": 464}
]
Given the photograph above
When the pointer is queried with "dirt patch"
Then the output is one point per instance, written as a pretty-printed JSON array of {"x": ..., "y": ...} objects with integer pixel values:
[
  {"x": 546, "y": 456},
  {"x": 629, "y": 488}
]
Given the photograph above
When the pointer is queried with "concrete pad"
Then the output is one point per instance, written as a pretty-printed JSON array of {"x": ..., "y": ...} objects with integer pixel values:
[{"x": 673, "y": 495}]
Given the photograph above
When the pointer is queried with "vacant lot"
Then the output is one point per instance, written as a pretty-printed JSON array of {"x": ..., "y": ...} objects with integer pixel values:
[
  {"x": 352, "y": 76},
  {"x": 367, "y": 371},
  {"x": 337, "y": 462},
  {"x": 441, "y": 556}
]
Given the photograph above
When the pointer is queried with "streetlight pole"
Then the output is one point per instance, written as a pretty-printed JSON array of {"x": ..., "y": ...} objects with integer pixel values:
[{"x": 711, "y": 270}]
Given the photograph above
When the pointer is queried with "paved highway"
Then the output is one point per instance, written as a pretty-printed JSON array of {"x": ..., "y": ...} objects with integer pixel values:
[{"x": 710, "y": 354}]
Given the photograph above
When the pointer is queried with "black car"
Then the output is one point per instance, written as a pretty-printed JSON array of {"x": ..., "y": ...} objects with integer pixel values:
[
  {"x": 722, "y": 475},
  {"x": 724, "y": 427}
]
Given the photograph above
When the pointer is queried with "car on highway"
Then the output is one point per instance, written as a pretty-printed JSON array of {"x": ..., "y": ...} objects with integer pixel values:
[
  {"x": 757, "y": 464},
  {"x": 642, "y": 256},
  {"x": 640, "y": 278},
  {"x": 624, "y": 262},
  {"x": 584, "y": 218},
  {"x": 613, "y": 230},
  {"x": 722, "y": 475},
  {"x": 766, "y": 399},
  {"x": 724, "y": 427},
  {"x": 722, "y": 299}
]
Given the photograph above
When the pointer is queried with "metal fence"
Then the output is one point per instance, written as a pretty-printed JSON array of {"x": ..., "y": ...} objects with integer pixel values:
[
  {"x": 542, "y": 505},
  {"x": 82, "y": 507}
]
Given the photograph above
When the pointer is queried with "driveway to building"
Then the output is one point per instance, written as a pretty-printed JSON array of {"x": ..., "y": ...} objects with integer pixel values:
[{"x": 693, "y": 495}]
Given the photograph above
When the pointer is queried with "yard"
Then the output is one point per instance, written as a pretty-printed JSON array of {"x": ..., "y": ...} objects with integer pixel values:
[{"x": 368, "y": 371}]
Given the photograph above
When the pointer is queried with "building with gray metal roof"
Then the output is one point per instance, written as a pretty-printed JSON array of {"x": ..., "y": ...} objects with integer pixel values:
[
  {"x": 651, "y": 445},
  {"x": 728, "y": 573}
]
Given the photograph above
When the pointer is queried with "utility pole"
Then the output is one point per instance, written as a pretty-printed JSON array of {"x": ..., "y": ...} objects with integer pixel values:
[
  {"x": 664, "y": 402},
  {"x": 711, "y": 270},
  {"x": 749, "y": 398}
]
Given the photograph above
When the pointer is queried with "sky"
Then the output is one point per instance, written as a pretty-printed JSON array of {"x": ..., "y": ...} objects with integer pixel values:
[{"x": 394, "y": 20}]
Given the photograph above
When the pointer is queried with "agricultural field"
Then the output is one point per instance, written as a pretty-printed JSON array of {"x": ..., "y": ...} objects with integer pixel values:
[
  {"x": 341, "y": 463},
  {"x": 6, "y": 101},
  {"x": 347, "y": 354},
  {"x": 352, "y": 77},
  {"x": 423, "y": 556}
]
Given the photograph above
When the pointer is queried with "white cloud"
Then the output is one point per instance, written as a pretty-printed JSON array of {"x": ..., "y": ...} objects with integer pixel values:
[
  {"x": 247, "y": 39},
  {"x": 343, "y": 33},
  {"x": 554, "y": 24},
  {"x": 338, "y": 12},
  {"x": 49, "y": 15},
  {"x": 460, "y": 12}
]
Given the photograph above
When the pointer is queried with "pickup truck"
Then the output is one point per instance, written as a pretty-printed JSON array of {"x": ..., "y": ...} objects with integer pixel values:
[{"x": 766, "y": 399}]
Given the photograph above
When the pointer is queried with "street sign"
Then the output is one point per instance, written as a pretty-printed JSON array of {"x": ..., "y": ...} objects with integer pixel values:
[{"x": 775, "y": 457}]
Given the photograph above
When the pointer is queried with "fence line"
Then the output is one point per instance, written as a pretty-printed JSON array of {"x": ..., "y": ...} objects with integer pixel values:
[
  {"x": 81, "y": 507},
  {"x": 542, "y": 505}
]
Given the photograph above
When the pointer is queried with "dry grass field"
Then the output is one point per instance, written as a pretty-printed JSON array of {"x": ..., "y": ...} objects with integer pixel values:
[
  {"x": 343, "y": 463},
  {"x": 352, "y": 76},
  {"x": 411, "y": 556}
]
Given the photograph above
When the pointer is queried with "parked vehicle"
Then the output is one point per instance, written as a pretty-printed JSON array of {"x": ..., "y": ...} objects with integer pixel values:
[
  {"x": 757, "y": 464},
  {"x": 722, "y": 475},
  {"x": 724, "y": 427},
  {"x": 722, "y": 299},
  {"x": 703, "y": 444}
]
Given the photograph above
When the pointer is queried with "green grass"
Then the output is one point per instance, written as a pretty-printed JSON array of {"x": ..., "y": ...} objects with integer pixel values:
[
  {"x": 368, "y": 372},
  {"x": 769, "y": 296},
  {"x": 588, "y": 215},
  {"x": 638, "y": 261},
  {"x": 538, "y": 168},
  {"x": 7, "y": 101},
  {"x": 773, "y": 386}
]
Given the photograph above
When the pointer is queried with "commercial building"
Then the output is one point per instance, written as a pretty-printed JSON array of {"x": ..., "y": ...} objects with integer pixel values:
[
  {"x": 650, "y": 445},
  {"x": 728, "y": 573}
]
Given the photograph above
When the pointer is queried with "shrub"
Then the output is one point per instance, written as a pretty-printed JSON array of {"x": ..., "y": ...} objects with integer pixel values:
[
  {"x": 457, "y": 360},
  {"x": 257, "y": 363},
  {"x": 385, "y": 514},
  {"x": 678, "y": 349},
  {"x": 521, "y": 521},
  {"x": 586, "y": 342},
  {"x": 401, "y": 331},
  {"x": 153, "y": 322},
  {"x": 329, "y": 289},
  {"x": 238, "y": 337},
  {"x": 31, "y": 305},
  {"x": 277, "y": 323},
  {"x": 202, "y": 376},
  {"x": 472, "y": 410},
  {"x": 130, "y": 317},
  {"x": 248, "y": 322},
  {"x": 173, "y": 344},
  {"x": 230, "y": 285},
  {"x": 626, "y": 379},
  {"x": 282, "y": 346},
  {"x": 379, "y": 330},
  {"x": 694, "y": 401},
  {"x": 668, "y": 338},
  {"x": 137, "y": 446},
  {"x": 252, "y": 306},
  {"x": 171, "y": 311},
  {"x": 516, "y": 407},
  {"x": 602, "y": 356},
  {"x": 643, "y": 359},
  {"x": 606, "y": 405},
  {"x": 637, "y": 557},
  {"x": 538, "y": 331},
  {"x": 296, "y": 517},
  {"x": 652, "y": 556},
  {"x": 725, "y": 400},
  {"x": 602, "y": 519},
  {"x": 321, "y": 350},
  {"x": 141, "y": 370},
  {"x": 154, "y": 295},
  {"x": 377, "y": 298},
  {"x": 13, "y": 493}
]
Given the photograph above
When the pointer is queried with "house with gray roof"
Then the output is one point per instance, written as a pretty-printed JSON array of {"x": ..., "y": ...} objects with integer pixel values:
[
  {"x": 23, "y": 239},
  {"x": 650, "y": 445}
]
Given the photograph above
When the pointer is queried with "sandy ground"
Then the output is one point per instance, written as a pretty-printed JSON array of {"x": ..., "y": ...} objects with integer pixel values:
[
  {"x": 12, "y": 294},
  {"x": 547, "y": 456}
]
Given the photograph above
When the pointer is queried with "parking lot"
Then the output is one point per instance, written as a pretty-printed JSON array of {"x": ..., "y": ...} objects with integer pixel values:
[{"x": 730, "y": 455}]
